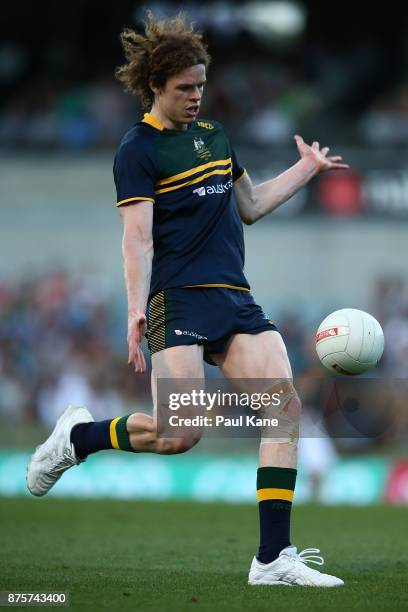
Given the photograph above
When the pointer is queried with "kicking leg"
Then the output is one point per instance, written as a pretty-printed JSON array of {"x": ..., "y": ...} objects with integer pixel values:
[
  {"x": 176, "y": 362},
  {"x": 76, "y": 435}
]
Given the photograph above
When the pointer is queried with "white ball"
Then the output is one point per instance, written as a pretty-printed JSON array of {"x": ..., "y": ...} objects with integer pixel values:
[{"x": 349, "y": 341}]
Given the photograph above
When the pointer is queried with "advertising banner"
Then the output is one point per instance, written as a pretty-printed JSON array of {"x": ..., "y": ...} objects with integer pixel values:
[{"x": 205, "y": 478}]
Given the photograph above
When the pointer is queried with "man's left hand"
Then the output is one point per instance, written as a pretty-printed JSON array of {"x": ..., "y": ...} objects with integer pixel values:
[{"x": 319, "y": 156}]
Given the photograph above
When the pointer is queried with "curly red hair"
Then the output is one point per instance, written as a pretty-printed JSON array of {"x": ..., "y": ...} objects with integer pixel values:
[{"x": 167, "y": 47}]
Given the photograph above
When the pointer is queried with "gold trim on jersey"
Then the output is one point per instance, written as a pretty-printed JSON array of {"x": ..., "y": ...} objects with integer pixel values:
[
  {"x": 196, "y": 180},
  {"x": 236, "y": 287},
  {"x": 240, "y": 177},
  {"x": 153, "y": 121},
  {"x": 181, "y": 175},
  {"x": 134, "y": 200}
]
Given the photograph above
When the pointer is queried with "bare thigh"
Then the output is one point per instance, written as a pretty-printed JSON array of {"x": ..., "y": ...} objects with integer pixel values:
[
  {"x": 176, "y": 362},
  {"x": 261, "y": 355},
  {"x": 145, "y": 435},
  {"x": 264, "y": 356}
]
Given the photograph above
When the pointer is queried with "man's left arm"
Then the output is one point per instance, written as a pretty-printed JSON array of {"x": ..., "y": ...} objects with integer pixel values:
[{"x": 254, "y": 202}]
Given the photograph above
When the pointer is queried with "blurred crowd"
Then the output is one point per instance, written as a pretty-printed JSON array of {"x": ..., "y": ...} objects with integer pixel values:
[
  {"x": 63, "y": 340},
  {"x": 59, "y": 345},
  {"x": 65, "y": 101}
]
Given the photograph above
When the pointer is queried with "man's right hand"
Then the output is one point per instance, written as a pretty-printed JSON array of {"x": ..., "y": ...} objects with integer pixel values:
[{"x": 136, "y": 331}]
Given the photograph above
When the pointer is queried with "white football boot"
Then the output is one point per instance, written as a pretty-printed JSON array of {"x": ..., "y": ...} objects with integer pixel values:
[
  {"x": 57, "y": 454},
  {"x": 290, "y": 569}
]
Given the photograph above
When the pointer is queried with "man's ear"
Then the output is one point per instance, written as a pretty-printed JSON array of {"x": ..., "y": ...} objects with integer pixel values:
[{"x": 155, "y": 89}]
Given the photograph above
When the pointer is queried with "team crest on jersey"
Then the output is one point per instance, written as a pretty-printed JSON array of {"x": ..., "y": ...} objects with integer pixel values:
[
  {"x": 201, "y": 149},
  {"x": 199, "y": 144}
]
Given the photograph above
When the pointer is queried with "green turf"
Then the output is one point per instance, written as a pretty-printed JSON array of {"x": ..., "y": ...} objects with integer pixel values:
[{"x": 183, "y": 556}]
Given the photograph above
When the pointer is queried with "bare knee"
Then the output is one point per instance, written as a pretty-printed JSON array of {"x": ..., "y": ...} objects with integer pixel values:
[
  {"x": 282, "y": 421},
  {"x": 293, "y": 407},
  {"x": 176, "y": 446},
  {"x": 289, "y": 401},
  {"x": 140, "y": 423}
]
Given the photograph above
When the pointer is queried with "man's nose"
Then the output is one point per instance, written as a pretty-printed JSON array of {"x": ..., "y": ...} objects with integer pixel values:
[{"x": 196, "y": 94}]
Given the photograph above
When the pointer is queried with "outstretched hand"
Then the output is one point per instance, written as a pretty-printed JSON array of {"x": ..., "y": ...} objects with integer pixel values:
[
  {"x": 319, "y": 156},
  {"x": 136, "y": 331}
]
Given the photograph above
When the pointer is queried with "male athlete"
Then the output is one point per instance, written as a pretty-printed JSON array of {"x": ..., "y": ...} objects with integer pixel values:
[{"x": 183, "y": 196}]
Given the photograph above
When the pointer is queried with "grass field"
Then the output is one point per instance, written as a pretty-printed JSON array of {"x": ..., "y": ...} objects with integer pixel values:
[{"x": 117, "y": 555}]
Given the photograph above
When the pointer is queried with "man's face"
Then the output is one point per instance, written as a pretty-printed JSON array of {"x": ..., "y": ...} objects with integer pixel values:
[{"x": 179, "y": 101}]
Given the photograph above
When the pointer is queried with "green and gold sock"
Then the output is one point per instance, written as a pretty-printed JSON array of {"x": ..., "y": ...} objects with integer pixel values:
[
  {"x": 89, "y": 438},
  {"x": 275, "y": 489}
]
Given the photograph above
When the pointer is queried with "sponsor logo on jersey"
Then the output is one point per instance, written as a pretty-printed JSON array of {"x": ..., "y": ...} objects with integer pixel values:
[
  {"x": 213, "y": 189},
  {"x": 327, "y": 333},
  {"x": 200, "y": 191},
  {"x": 205, "y": 124},
  {"x": 185, "y": 332}
]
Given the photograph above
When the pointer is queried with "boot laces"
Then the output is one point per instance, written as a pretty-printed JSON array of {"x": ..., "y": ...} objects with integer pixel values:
[
  {"x": 64, "y": 462},
  {"x": 306, "y": 557}
]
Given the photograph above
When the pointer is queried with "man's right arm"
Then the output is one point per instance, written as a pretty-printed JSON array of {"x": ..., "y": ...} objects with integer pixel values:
[{"x": 137, "y": 249}]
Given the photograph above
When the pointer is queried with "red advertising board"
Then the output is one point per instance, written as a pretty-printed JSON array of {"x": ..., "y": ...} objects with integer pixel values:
[{"x": 396, "y": 489}]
